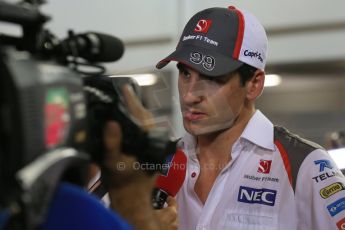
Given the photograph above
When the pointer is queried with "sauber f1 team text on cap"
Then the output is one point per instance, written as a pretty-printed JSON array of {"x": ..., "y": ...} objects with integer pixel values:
[{"x": 216, "y": 41}]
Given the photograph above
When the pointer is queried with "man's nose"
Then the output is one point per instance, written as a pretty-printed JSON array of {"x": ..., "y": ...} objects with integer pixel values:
[{"x": 194, "y": 92}]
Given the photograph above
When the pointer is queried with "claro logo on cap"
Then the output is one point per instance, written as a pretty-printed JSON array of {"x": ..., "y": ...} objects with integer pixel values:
[{"x": 203, "y": 25}]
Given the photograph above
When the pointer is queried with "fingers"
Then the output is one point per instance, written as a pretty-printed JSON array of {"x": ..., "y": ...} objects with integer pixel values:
[
  {"x": 132, "y": 101},
  {"x": 168, "y": 216},
  {"x": 136, "y": 109},
  {"x": 172, "y": 202}
]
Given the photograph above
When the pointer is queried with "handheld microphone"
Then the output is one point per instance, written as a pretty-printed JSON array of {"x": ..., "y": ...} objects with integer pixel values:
[
  {"x": 92, "y": 46},
  {"x": 170, "y": 180}
]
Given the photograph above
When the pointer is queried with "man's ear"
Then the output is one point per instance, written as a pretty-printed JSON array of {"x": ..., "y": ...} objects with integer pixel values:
[{"x": 255, "y": 85}]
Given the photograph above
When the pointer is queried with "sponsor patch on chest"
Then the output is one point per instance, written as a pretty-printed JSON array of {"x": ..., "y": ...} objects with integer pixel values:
[{"x": 262, "y": 196}]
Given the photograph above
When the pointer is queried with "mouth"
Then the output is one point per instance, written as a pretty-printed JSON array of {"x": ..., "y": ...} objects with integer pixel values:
[{"x": 192, "y": 115}]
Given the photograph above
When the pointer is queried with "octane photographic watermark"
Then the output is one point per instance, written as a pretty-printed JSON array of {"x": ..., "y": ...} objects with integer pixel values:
[
  {"x": 158, "y": 167},
  {"x": 121, "y": 166}
]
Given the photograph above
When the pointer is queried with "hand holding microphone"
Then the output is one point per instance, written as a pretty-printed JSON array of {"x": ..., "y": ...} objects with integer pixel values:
[
  {"x": 168, "y": 183},
  {"x": 129, "y": 187},
  {"x": 170, "y": 180},
  {"x": 167, "y": 216}
]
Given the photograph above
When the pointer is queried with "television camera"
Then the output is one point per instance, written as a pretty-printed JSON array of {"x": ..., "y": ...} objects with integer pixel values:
[{"x": 52, "y": 112}]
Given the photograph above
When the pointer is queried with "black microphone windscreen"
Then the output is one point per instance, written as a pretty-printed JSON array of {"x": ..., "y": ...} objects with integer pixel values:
[
  {"x": 92, "y": 46},
  {"x": 111, "y": 48}
]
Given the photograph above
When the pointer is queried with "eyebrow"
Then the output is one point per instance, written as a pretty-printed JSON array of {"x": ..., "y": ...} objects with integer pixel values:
[
  {"x": 226, "y": 77},
  {"x": 180, "y": 65}
]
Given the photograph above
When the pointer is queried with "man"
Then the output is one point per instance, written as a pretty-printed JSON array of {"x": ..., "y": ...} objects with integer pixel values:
[
  {"x": 129, "y": 187},
  {"x": 242, "y": 172}
]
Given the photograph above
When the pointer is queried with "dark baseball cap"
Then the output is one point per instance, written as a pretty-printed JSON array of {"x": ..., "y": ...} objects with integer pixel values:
[{"x": 217, "y": 41}]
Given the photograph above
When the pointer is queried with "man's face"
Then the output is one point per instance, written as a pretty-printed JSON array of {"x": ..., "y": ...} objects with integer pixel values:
[{"x": 209, "y": 104}]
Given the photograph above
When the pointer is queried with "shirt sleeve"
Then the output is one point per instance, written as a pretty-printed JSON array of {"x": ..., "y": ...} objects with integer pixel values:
[{"x": 320, "y": 193}]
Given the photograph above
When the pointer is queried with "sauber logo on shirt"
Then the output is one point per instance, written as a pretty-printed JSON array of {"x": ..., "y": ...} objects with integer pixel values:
[
  {"x": 341, "y": 224},
  {"x": 336, "y": 207},
  {"x": 331, "y": 190},
  {"x": 264, "y": 166},
  {"x": 264, "y": 178},
  {"x": 324, "y": 164},
  {"x": 202, "y": 26},
  {"x": 257, "y": 196}
]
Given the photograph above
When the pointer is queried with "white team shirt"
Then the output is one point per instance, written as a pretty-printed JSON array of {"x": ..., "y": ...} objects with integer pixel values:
[{"x": 254, "y": 191}]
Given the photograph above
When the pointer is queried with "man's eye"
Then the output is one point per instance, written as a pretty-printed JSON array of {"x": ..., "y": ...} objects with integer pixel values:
[{"x": 185, "y": 73}]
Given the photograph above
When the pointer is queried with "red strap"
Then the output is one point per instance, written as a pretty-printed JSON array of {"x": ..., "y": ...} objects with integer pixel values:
[
  {"x": 285, "y": 158},
  {"x": 240, "y": 33}
]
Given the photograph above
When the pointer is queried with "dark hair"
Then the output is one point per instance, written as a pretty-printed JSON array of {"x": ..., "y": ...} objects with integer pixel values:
[{"x": 246, "y": 73}]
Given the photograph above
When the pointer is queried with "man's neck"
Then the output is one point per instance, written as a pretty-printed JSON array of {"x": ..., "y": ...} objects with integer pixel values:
[{"x": 217, "y": 145}]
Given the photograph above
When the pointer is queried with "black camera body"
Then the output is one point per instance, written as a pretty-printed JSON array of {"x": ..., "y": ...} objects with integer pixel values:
[
  {"x": 43, "y": 107},
  {"x": 52, "y": 119}
]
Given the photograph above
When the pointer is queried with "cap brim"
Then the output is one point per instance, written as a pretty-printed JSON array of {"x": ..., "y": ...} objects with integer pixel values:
[{"x": 222, "y": 64}]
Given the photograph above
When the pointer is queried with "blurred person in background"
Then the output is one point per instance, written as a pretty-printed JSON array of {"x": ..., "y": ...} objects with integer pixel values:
[{"x": 335, "y": 140}]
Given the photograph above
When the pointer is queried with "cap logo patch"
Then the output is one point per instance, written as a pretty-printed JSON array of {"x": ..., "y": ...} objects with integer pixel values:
[
  {"x": 207, "y": 61},
  {"x": 203, "y": 25},
  {"x": 253, "y": 55}
]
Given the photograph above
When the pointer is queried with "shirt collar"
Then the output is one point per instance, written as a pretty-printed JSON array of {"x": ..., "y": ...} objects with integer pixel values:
[
  {"x": 259, "y": 131},
  {"x": 188, "y": 144}
]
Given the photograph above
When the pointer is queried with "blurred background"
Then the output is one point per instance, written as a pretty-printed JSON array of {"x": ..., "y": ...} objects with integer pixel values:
[{"x": 306, "y": 63}]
